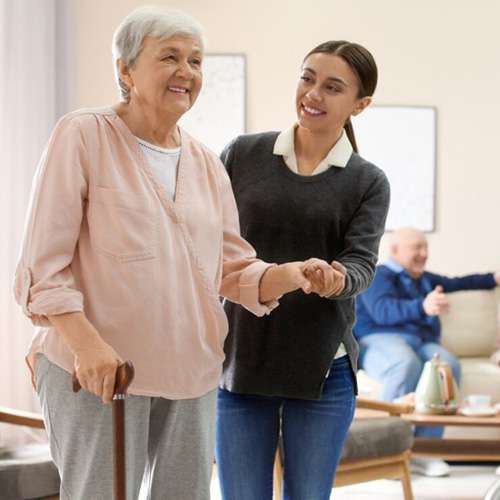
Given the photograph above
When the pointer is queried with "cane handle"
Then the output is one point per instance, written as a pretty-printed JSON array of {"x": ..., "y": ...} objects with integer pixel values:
[{"x": 124, "y": 376}]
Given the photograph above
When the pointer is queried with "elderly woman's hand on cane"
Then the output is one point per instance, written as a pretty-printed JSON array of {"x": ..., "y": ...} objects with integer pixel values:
[{"x": 95, "y": 360}]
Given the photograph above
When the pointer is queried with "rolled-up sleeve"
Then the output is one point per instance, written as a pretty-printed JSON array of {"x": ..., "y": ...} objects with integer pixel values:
[
  {"x": 44, "y": 284},
  {"x": 241, "y": 270}
]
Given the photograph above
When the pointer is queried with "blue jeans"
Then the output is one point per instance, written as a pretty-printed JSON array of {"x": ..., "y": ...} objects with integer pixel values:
[
  {"x": 247, "y": 431},
  {"x": 396, "y": 360}
]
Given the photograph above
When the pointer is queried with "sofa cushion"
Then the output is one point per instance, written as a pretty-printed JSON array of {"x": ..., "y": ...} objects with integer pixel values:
[
  {"x": 27, "y": 472},
  {"x": 471, "y": 326},
  {"x": 377, "y": 437}
]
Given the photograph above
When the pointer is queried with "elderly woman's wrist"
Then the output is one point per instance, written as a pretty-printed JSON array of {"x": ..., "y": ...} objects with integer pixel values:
[
  {"x": 77, "y": 332},
  {"x": 276, "y": 281},
  {"x": 291, "y": 276}
]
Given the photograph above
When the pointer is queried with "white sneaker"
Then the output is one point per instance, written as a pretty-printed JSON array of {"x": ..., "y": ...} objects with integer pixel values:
[
  {"x": 497, "y": 472},
  {"x": 430, "y": 467}
]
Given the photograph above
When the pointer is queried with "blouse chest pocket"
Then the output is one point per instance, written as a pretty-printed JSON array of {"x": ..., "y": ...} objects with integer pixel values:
[{"x": 122, "y": 225}]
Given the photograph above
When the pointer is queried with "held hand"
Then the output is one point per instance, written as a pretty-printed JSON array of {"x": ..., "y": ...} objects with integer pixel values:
[
  {"x": 326, "y": 280},
  {"x": 285, "y": 278},
  {"x": 295, "y": 277},
  {"x": 436, "y": 302},
  {"x": 95, "y": 369},
  {"x": 497, "y": 278}
]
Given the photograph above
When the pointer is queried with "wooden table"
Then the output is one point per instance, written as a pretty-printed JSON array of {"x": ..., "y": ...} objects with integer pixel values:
[{"x": 476, "y": 450}]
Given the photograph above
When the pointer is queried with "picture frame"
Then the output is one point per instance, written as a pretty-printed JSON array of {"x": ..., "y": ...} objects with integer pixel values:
[
  {"x": 219, "y": 114},
  {"x": 402, "y": 141}
]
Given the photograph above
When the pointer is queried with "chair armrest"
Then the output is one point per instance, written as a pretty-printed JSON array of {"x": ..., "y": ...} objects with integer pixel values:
[
  {"x": 391, "y": 408},
  {"x": 18, "y": 417}
]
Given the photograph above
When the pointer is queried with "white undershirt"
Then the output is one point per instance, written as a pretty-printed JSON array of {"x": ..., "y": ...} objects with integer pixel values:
[{"x": 164, "y": 163}]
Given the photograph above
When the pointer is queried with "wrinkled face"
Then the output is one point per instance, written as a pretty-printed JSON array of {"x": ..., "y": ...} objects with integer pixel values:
[
  {"x": 327, "y": 93},
  {"x": 411, "y": 252},
  {"x": 167, "y": 74}
]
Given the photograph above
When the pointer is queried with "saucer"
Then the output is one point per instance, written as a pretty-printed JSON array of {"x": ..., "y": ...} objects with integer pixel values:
[{"x": 486, "y": 411}]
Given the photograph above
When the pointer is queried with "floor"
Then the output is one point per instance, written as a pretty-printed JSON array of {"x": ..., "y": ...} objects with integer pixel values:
[{"x": 466, "y": 482}]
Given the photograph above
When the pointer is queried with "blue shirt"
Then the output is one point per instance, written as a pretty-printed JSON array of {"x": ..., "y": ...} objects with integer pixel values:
[{"x": 394, "y": 301}]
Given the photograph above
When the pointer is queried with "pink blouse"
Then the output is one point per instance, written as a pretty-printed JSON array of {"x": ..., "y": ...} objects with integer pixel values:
[{"x": 103, "y": 237}]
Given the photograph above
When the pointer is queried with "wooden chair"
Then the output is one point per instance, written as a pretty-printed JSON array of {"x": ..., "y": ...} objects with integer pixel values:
[
  {"x": 388, "y": 458},
  {"x": 27, "y": 471}
]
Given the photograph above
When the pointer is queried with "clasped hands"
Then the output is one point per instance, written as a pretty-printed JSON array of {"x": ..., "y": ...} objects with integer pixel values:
[{"x": 317, "y": 276}]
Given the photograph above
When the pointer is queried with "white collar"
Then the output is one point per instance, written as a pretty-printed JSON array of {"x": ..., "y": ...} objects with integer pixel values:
[
  {"x": 394, "y": 266},
  {"x": 338, "y": 156}
]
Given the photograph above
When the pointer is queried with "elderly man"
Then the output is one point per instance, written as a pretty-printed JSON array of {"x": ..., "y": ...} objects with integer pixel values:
[{"x": 398, "y": 323}]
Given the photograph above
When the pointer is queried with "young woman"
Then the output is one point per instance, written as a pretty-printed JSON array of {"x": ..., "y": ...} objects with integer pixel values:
[{"x": 301, "y": 192}]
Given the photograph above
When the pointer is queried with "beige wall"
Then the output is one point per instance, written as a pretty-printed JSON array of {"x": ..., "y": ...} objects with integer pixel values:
[{"x": 443, "y": 54}]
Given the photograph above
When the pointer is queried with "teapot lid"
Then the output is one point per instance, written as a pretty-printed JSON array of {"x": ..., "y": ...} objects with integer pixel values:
[{"x": 436, "y": 360}]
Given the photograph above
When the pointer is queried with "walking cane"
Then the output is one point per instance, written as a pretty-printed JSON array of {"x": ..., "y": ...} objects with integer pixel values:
[{"x": 124, "y": 377}]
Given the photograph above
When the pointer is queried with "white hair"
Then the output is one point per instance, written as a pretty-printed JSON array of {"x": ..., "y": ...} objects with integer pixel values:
[{"x": 149, "y": 21}]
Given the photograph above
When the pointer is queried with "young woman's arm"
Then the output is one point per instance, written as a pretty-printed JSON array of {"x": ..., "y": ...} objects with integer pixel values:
[{"x": 362, "y": 238}]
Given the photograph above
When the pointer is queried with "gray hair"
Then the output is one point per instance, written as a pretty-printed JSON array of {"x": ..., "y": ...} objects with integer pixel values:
[{"x": 149, "y": 21}]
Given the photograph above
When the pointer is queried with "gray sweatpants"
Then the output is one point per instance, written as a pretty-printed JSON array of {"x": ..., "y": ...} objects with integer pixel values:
[{"x": 170, "y": 444}]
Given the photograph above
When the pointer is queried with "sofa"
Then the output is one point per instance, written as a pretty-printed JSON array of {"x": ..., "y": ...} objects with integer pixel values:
[{"x": 471, "y": 331}]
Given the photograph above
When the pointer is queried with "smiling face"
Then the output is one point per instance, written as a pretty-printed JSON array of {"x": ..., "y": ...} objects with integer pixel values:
[
  {"x": 167, "y": 74},
  {"x": 409, "y": 249},
  {"x": 327, "y": 93}
]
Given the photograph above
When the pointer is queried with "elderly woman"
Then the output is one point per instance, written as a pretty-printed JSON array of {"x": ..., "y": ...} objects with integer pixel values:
[{"x": 132, "y": 235}]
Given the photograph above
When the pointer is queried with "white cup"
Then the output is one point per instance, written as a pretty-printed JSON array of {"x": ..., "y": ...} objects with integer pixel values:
[{"x": 478, "y": 401}]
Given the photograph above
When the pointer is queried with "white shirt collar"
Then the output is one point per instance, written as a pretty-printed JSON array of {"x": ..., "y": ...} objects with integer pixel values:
[
  {"x": 394, "y": 266},
  {"x": 338, "y": 156}
]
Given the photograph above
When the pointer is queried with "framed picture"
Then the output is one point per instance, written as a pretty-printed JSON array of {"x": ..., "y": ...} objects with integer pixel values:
[
  {"x": 401, "y": 140},
  {"x": 219, "y": 114}
]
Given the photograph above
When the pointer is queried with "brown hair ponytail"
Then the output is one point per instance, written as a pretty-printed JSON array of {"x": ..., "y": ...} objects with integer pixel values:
[{"x": 349, "y": 130}]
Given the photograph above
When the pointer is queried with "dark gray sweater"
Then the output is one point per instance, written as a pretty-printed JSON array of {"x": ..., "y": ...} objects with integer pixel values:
[{"x": 335, "y": 215}]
